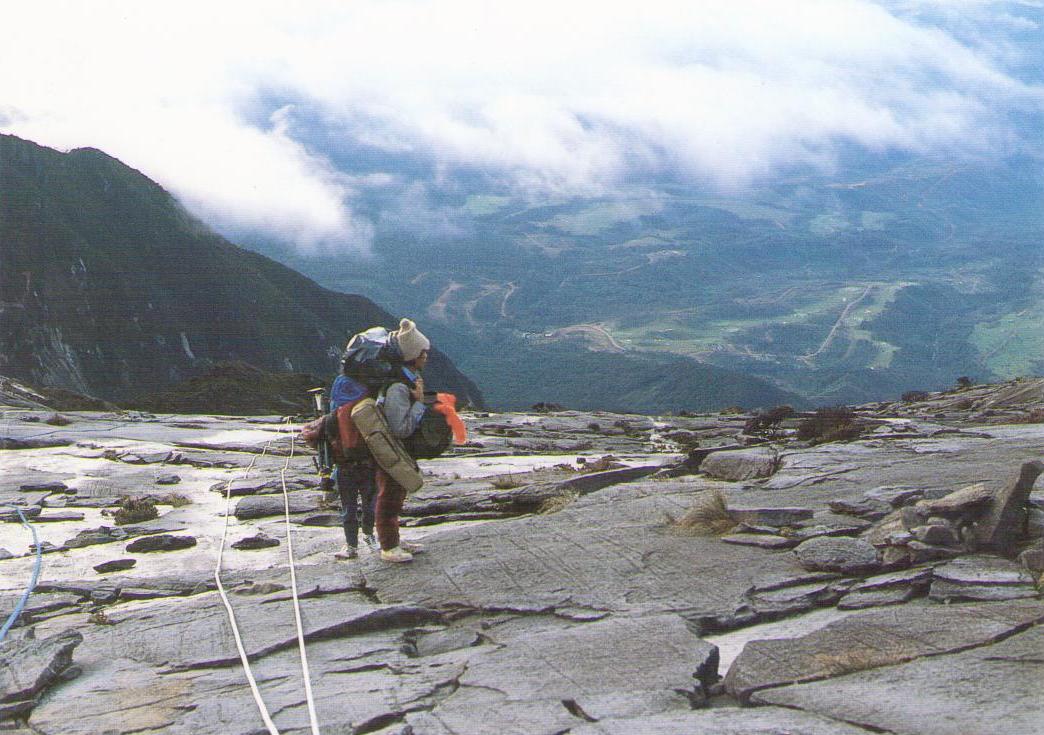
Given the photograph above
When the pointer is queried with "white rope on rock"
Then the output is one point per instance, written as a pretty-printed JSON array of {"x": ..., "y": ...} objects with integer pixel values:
[
  {"x": 312, "y": 717},
  {"x": 228, "y": 606}
]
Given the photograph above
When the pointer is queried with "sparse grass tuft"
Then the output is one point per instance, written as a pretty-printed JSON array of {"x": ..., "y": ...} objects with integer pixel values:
[
  {"x": 506, "y": 482},
  {"x": 708, "y": 516},
  {"x": 557, "y": 502},
  {"x": 135, "y": 510}
]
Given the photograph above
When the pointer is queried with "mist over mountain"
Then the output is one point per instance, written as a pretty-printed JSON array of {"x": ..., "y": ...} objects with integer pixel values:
[
  {"x": 902, "y": 272},
  {"x": 108, "y": 287},
  {"x": 843, "y": 199}
]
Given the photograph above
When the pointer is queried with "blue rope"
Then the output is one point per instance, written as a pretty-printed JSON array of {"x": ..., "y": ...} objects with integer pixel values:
[{"x": 32, "y": 582}]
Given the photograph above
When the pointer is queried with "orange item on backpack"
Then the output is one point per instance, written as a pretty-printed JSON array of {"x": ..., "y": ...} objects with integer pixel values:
[{"x": 446, "y": 404}]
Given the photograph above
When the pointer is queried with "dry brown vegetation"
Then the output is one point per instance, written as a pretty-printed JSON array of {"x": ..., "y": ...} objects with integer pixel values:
[
  {"x": 708, "y": 516},
  {"x": 175, "y": 500},
  {"x": 557, "y": 502},
  {"x": 506, "y": 482}
]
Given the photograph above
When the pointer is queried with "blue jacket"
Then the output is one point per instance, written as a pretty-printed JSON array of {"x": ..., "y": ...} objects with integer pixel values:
[{"x": 345, "y": 390}]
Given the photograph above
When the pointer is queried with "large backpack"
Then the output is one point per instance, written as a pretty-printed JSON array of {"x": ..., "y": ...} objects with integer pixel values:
[
  {"x": 372, "y": 357},
  {"x": 339, "y": 432},
  {"x": 432, "y": 437}
]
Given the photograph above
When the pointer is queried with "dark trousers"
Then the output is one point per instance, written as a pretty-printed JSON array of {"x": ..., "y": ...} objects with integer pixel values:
[
  {"x": 390, "y": 497},
  {"x": 355, "y": 483}
]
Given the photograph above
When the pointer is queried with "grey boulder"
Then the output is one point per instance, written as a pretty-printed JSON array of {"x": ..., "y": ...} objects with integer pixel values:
[
  {"x": 161, "y": 542},
  {"x": 837, "y": 554},
  {"x": 741, "y": 464}
]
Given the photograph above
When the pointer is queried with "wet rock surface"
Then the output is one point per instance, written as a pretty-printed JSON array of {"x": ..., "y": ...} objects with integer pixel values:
[{"x": 554, "y": 594}]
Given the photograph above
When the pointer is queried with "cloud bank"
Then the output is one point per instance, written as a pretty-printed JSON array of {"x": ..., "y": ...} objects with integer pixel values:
[{"x": 544, "y": 98}]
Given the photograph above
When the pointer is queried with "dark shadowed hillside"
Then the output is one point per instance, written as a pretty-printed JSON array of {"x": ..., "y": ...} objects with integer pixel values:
[{"x": 108, "y": 287}]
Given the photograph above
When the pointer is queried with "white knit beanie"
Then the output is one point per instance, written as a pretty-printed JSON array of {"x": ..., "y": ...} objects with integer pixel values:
[{"x": 411, "y": 341}]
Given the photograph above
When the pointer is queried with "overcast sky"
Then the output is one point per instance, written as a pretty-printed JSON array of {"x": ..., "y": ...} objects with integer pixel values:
[{"x": 233, "y": 105}]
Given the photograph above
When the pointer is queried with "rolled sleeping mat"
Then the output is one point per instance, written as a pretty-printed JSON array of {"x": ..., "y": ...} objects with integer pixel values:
[{"x": 388, "y": 452}]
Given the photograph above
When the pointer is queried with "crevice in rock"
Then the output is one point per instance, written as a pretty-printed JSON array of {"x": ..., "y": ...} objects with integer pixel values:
[
  {"x": 379, "y": 722},
  {"x": 852, "y": 723},
  {"x": 387, "y": 618},
  {"x": 361, "y": 669},
  {"x": 577, "y": 711},
  {"x": 1003, "y": 636},
  {"x": 1014, "y": 659}
]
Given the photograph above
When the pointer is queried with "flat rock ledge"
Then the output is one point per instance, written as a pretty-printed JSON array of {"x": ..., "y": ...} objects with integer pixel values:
[
  {"x": 29, "y": 666},
  {"x": 876, "y": 638}
]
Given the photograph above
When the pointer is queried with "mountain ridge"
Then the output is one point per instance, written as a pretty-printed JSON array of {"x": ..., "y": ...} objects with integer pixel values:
[{"x": 109, "y": 287}]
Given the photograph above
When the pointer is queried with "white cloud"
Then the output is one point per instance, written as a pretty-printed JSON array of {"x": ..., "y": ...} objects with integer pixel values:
[{"x": 554, "y": 97}]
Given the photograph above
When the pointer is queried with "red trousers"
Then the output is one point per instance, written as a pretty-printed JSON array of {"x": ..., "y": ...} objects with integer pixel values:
[{"x": 390, "y": 497}]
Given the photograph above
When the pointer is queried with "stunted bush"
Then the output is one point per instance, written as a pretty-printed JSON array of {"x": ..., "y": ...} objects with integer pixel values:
[
  {"x": 833, "y": 423},
  {"x": 768, "y": 420},
  {"x": 913, "y": 396},
  {"x": 135, "y": 510}
]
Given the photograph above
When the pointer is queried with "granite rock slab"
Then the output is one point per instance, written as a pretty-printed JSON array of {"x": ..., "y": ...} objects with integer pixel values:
[
  {"x": 876, "y": 638},
  {"x": 29, "y": 666},
  {"x": 950, "y": 696}
]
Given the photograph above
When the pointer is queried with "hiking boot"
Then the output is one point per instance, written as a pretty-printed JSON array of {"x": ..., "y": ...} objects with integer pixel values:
[
  {"x": 411, "y": 547},
  {"x": 370, "y": 540},
  {"x": 348, "y": 552},
  {"x": 396, "y": 555}
]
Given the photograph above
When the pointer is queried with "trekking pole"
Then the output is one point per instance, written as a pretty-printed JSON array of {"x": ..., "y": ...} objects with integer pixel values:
[{"x": 322, "y": 462}]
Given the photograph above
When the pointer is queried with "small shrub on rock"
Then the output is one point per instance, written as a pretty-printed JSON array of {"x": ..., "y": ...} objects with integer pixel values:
[
  {"x": 57, "y": 419},
  {"x": 762, "y": 422},
  {"x": 546, "y": 407},
  {"x": 135, "y": 510},
  {"x": 834, "y": 423},
  {"x": 964, "y": 382},
  {"x": 913, "y": 396}
]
